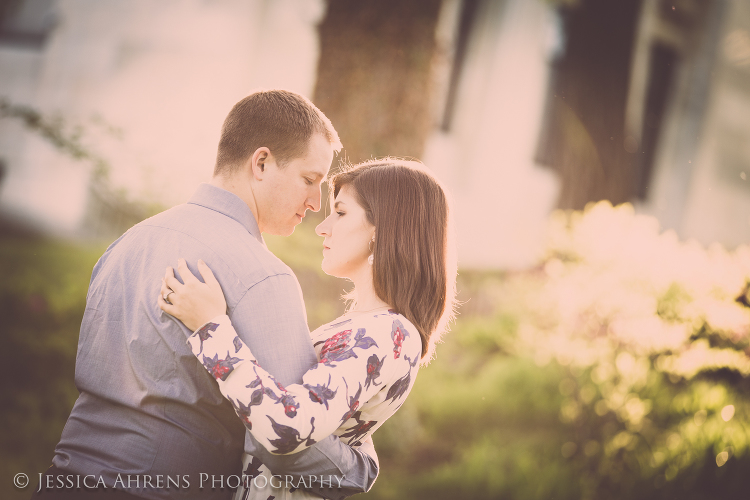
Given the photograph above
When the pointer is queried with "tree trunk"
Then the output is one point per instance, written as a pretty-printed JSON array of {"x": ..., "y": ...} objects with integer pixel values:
[
  {"x": 374, "y": 75},
  {"x": 584, "y": 134}
]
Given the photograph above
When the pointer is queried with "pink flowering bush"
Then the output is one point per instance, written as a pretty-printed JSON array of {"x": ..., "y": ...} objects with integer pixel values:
[
  {"x": 654, "y": 333},
  {"x": 618, "y": 368}
]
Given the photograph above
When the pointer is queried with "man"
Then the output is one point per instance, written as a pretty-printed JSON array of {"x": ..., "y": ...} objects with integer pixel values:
[{"x": 149, "y": 420}]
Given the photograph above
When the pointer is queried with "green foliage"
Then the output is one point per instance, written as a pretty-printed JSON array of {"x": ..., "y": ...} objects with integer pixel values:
[{"x": 42, "y": 298}]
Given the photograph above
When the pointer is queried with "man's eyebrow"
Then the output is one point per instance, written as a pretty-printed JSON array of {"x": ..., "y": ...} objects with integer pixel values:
[{"x": 315, "y": 174}]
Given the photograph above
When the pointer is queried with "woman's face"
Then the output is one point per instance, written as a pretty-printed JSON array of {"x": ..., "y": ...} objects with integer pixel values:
[{"x": 347, "y": 237}]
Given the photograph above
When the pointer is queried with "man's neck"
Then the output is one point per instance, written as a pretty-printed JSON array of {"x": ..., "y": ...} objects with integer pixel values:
[{"x": 239, "y": 187}]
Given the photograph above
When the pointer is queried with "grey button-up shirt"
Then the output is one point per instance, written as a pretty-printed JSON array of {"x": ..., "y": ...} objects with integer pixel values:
[{"x": 146, "y": 406}]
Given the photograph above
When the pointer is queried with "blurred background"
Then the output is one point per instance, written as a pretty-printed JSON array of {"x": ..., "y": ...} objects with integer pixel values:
[{"x": 598, "y": 156}]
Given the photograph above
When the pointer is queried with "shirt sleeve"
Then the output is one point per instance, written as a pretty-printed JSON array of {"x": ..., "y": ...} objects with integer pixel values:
[
  {"x": 271, "y": 320},
  {"x": 356, "y": 467},
  {"x": 353, "y": 367}
]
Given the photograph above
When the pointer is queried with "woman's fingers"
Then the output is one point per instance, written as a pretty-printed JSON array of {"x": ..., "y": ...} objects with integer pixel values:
[
  {"x": 185, "y": 272},
  {"x": 193, "y": 302},
  {"x": 165, "y": 306},
  {"x": 171, "y": 281},
  {"x": 208, "y": 275},
  {"x": 165, "y": 291}
]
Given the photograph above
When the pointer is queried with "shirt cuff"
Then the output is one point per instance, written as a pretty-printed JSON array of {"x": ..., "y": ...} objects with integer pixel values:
[{"x": 218, "y": 347}]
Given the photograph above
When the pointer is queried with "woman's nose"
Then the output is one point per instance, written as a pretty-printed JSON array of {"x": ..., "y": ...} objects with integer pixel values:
[{"x": 323, "y": 229}]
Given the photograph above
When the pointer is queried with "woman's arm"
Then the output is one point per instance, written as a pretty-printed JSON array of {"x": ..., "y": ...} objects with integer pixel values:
[
  {"x": 353, "y": 368},
  {"x": 355, "y": 471}
]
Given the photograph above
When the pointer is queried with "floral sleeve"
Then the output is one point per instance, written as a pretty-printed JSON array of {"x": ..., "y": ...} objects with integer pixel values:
[{"x": 353, "y": 367}]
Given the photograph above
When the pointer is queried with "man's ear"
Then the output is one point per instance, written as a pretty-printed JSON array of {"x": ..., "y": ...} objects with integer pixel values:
[{"x": 258, "y": 162}]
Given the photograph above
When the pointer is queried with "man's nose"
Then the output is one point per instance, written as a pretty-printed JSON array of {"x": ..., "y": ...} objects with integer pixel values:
[{"x": 313, "y": 202}]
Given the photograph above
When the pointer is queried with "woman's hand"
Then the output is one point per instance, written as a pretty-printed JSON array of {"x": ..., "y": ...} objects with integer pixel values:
[{"x": 194, "y": 303}]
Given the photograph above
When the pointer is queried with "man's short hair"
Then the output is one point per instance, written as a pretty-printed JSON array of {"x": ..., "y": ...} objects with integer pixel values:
[{"x": 280, "y": 120}]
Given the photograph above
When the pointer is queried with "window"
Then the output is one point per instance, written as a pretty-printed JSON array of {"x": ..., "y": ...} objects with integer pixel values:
[{"x": 26, "y": 23}]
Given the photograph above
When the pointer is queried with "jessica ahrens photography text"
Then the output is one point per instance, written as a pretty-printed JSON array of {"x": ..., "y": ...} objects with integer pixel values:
[{"x": 177, "y": 481}]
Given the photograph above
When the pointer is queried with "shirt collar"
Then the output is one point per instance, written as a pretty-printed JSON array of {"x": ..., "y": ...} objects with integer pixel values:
[{"x": 229, "y": 204}]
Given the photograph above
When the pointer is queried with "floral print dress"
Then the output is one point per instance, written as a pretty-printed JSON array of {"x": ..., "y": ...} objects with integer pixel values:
[{"x": 367, "y": 367}]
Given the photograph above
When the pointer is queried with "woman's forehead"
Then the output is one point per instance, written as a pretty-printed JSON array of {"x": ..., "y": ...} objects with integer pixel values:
[{"x": 344, "y": 195}]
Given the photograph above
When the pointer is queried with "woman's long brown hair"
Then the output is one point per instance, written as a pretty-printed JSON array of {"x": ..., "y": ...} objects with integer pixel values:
[{"x": 414, "y": 270}]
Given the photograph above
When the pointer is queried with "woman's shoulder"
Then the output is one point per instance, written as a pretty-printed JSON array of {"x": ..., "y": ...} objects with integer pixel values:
[
  {"x": 327, "y": 330},
  {"x": 386, "y": 329},
  {"x": 389, "y": 318},
  {"x": 394, "y": 330},
  {"x": 375, "y": 319}
]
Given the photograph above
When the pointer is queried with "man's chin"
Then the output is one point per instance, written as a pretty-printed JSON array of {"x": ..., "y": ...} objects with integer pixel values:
[{"x": 281, "y": 230}]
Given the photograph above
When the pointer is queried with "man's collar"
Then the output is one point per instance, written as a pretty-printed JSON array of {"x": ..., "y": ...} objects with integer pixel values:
[{"x": 229, "y": 204}]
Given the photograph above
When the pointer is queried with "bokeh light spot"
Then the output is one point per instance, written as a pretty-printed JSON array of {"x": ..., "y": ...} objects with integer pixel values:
[{"x": 727, "y": 413}]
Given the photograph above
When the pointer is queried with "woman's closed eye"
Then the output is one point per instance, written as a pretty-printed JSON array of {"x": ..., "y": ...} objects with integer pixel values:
[{"x": 341, "y": 214}]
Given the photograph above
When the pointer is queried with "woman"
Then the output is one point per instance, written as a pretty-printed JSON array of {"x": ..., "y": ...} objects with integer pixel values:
[{"x": 387, "y": 233}]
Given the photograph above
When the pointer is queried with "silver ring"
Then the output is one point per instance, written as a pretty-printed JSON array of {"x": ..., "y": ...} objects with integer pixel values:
[{"x": 166, "y": 297}]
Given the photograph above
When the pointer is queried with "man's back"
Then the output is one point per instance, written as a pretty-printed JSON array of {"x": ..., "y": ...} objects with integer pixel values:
[{"x": 146, "y": 406}]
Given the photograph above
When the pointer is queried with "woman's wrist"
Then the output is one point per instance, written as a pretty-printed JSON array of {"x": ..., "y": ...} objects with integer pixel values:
[{"x": 218, "y": 319}]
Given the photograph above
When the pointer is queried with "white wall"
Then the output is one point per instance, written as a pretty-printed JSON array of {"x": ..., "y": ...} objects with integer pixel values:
[
  {"x": 502, "y": 198},
  {"x": 166, "y": 73}
]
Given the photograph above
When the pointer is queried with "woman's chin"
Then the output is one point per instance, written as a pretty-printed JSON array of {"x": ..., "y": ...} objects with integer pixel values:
[
  {"x": 326, "y": 269},
  {"x": 330, "y": 270}
]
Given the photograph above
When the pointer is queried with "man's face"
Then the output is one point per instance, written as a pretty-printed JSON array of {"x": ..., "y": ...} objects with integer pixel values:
[{"x": 284, "y": 194}]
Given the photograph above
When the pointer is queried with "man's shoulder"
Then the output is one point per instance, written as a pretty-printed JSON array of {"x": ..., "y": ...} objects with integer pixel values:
[{"x": 197, "y": 232}]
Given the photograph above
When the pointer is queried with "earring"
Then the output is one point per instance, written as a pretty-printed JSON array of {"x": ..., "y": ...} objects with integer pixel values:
[{"x": 371, "y": 258}]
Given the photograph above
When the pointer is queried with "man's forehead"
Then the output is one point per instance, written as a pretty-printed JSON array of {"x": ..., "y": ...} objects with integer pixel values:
[
  {"x": 319, "y": 156},
  {"x": 317, "y": 167},
  {"x": 316, "y": 171}
]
